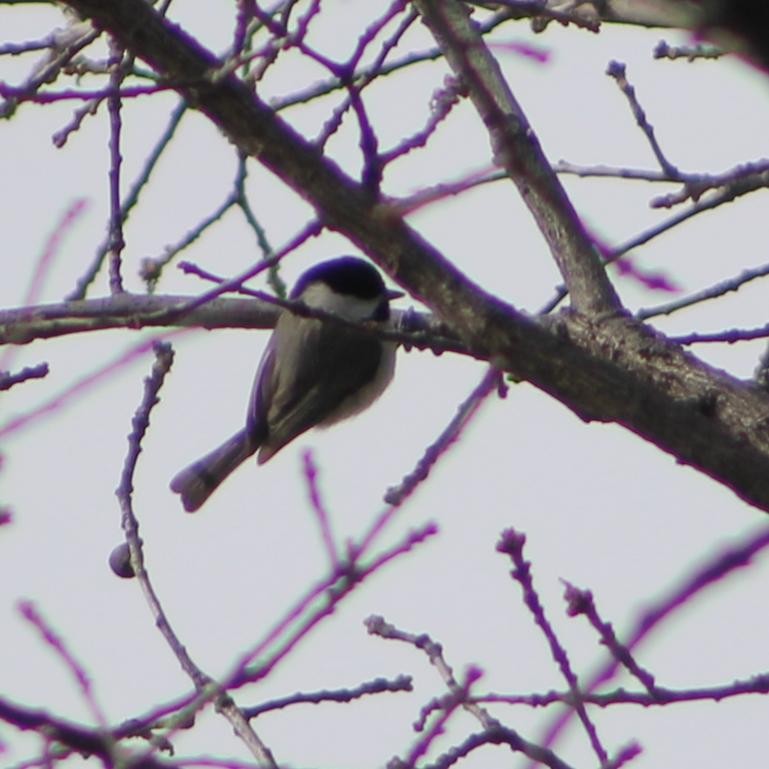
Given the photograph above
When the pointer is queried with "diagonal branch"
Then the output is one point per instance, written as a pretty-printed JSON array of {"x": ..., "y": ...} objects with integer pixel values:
[
  {"x": 603, "y": 368},
  {"x": 517, "y": 149}
]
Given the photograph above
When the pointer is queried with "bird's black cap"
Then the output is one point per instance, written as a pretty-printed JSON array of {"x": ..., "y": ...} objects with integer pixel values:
[{"x": 346, "y": 275}]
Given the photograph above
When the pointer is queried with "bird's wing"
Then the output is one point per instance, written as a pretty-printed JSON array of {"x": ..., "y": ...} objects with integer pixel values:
[{"x": 318, "y": 386}]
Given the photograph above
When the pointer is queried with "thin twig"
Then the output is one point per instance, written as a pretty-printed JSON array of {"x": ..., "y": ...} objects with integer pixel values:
[
  {"x": 319, "y": 508},
  {"x": 581, "y": 602},
  {"x": 310, "y": 230},
  {"x": 115, "y": 229},
  {"x": 29, "y": 611},
  {"x": 90, "y": 108},
  {"x": 493, "y": 732},
  {"x": 319, "y": 604},
  {"x": 97, "y": 95},
  {"x": 492, "y": 379},
  {"x": 511, "y": 543},
  {"x": 727, "y": 195},
  {"x": 618, "y": 71},
  {"x": 274, "y": 279},
  {"x": 442, "y": 103},
  {"x": 378, "y": 626},
  {"x": 624, "y": 755},
  {"x": 612, "y": 172},
  {"x": 499, "y": 735},
  {"x": 699, "y": 52},
  {"x": 456, "y": 698},
  {"x": 78, "y": 388},
  {"x": 202, "y": 682},
  {"x": 163, "y": 360},
  {"x": 730, "y": 336},
  {"x": 719, "y": 289},
  {"x": 375, "y": 686},
  {"x": 354, "y": 83},
  {"x": 132, "y": 198},
  {"x": 721, "y": 565},
  {"x": 44, "y": 263},
  {"x": 65, "y": 45},
  {"x": 152, "y": 268},
  {"x": 8, "y": 380},
  {"x": 375, "y": 70},
  {"x": 660, "y": 697}
]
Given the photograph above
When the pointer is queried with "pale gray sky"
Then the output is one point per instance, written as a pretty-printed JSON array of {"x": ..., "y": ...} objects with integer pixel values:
[{"x": 600, "y": 507}]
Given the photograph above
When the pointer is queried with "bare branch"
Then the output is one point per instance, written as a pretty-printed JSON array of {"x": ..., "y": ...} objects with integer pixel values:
[
  {"x": 89, "y": 742},
  {"x": 23, "y": 325},
  {"x": 64, "y": 46},
  {"x": 376, "y": 686},
  {"x": 378, "y": 626},
  {"x": 723, "y": 564},
  {"x": 581, "y": 602},
  {"x": 202, "y": 682},
  {"x": 132, "y": 198},
  {"x": 30, "y": 612},
  {"x": 114, "y": 106},
  {"x": 626, "y": 373},
  {"x": 660, "y": 697},
  {"x": 309, "y": 611},
  {"x": 689, "y": 52},
  {"x": 467, "y": 410},
  {"x": 320, "y": 509},
  {"x": 723, "y": 337},
  {"x": 511, "y": 544},
  {"x": 498, "y": 735},
  {"x": 714, "y": 292},
  {"x": 617, "y": 70},
  {"x": 45, "y": 262},
  {"x": 493, "y": 732},
  {"x": 8, "y": 380},
  {"x": 516, "y": 148}
]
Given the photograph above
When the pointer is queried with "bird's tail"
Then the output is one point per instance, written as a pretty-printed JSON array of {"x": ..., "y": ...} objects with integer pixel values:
[{"x": 196, "y": 483}]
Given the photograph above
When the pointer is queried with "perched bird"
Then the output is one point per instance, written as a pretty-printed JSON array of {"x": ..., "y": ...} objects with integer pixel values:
[{"x": 312, "y": 373}]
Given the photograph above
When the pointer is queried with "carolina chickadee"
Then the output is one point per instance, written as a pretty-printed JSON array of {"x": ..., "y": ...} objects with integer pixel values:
[{"x": 312, "y": 373}]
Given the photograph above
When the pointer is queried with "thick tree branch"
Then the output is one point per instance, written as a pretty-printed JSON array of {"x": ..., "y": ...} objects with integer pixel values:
[
  {"x": 25, "y": 324},
  {"x": 517, "y": 149},
  {"x": 612, "y": 369},
  {"x": 138, "y": 311}
]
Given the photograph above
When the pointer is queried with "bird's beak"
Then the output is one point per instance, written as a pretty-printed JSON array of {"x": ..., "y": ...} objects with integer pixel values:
[{"x": 392, "y": 294}]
